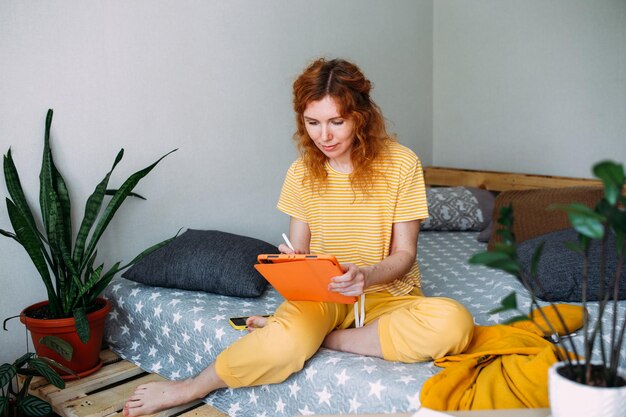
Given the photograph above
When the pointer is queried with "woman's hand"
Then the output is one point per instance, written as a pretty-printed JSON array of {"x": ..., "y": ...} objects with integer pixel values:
[
  {"x": 300, "y": 237},
  {"x": 255, "y": 322},
  {"x": 282, "y": 248},
  {"x": 352, "y": 283},
  {"x": 400, "y": 260}
]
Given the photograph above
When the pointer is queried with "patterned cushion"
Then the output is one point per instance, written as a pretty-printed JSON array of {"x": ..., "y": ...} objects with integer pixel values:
[{"x": 458, "y": 209}]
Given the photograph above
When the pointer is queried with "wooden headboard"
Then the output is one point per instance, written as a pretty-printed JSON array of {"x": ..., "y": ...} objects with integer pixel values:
[{"x": 500, "y": 181}]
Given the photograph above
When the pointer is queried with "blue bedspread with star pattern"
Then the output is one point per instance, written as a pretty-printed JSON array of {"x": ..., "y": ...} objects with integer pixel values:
[{"x": 178, "y": 333}]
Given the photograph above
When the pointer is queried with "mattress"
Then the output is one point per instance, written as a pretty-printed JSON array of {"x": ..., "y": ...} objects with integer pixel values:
[{"x": 178, "y": 333}]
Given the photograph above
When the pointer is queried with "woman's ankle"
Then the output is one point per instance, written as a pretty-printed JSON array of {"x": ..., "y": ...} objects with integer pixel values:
[{"x": 204, "y": 383}]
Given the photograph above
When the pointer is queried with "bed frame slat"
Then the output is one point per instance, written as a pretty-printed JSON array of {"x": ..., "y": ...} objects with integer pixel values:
[{"x": 500, "y": 181}]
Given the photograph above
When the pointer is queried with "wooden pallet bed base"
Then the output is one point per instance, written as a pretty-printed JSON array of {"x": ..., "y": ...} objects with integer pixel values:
[{"x": 104, "y": 393}]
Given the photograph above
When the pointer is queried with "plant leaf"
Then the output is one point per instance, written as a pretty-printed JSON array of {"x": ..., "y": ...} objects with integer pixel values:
[
  {"x": 55, "y": 206},
  {"x": 46, "y": 187},
  {"x": 507, "y": 248},
  {"x": 4, "y": 401},
  {"x": 47, "y": 372},
  {"x": 101, "y": 284},
  {"x": 585, "y": 220},
  {"x": 148, "y": 251},
  {"x": 612, "y": 176},
  {"x": 574, "y": 246},
  {"x": 51, "y": 207},
  {"x": 64, "y": 223},
  {"x": 92, "y": 208},
  {"x": 34, "y": 407},
  {"x": 91, "y": 282},
  {"x": 507, "y": 303},
  {"x": 14, "y": 186},
  {"x": 74, "y": 284},
  {"x": 9, "y": 234},
  {"x": 536, "y": 258},
  {"x": 516, "y": 319},
  {"x": 584, "y": 241},
  {"x": 116, "y": 202},
  {"x": 7, "y": 372},
  {"x": 112, "y": 192},
  {"x": 497, "y": 260},
  {"x": 620, "y": 243},
  {"x": 56, "y": 365},
  {"x": 616, "y": 219},
  {"x": 21, "y": 361},
  {"x": 33, "y": 246},
  {"x": 58, "y": 345},
  {"x": 82, "y": 325},
  {"x": 505, "y": 217},
  {"x": 91, "y": 261},
  {"x": 485, "y": 258}
]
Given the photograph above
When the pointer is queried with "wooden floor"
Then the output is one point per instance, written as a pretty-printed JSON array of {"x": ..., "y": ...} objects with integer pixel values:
[{"x": 104, "y": 392}]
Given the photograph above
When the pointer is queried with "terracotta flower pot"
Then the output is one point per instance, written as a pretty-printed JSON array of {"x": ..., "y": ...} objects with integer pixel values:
[
  {"x": 86, "y": 356},
  {"x": 572, "y": 399}
]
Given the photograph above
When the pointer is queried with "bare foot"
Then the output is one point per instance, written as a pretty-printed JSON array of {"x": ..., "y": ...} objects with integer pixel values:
[
  {"x": 157, "y": 396},
  {"x": 256, "y": 322}
]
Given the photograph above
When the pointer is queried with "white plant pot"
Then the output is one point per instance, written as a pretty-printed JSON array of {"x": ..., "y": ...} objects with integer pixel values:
[{"x": 572, "y": 399}]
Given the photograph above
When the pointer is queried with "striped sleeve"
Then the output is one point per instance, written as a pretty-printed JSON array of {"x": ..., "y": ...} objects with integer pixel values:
[
  {"x": 411, "y": 204},
  {"x": 289, "y": 201}
]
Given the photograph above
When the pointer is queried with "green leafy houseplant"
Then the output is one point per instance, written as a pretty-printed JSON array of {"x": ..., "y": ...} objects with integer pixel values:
[
  {"x": 67, "y": 264},
  {"x": 609, "y": 216},
  {"x": 16, "y": 400}
]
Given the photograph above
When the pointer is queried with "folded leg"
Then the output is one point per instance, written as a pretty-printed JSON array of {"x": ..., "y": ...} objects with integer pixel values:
[{"x": 273, "y": 352}]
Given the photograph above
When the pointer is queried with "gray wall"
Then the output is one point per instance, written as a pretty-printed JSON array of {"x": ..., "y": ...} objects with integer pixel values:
[
  {"x": 529, "y": 86},
  {"x": 211, "y": 78}
]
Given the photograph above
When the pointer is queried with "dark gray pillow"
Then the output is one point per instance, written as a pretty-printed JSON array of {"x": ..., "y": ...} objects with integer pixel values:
[
  {"x": 560, "y": 270},
  {"x": 205, "y": 260},
  {"x": 458, "y": 209}
]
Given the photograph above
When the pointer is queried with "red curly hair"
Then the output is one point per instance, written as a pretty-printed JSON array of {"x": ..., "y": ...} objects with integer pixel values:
[{"x": 346, "y": 84}]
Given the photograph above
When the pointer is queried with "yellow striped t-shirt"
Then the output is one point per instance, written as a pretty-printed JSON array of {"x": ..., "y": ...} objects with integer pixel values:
[{"x": 357, "y": 228}]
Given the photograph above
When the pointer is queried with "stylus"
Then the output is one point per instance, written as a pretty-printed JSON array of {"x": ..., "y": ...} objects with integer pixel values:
[{"x": 288, "y": 242}]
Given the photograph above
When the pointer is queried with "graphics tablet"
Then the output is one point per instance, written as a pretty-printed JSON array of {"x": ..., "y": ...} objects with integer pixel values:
[{"x": 302, "y": 277}]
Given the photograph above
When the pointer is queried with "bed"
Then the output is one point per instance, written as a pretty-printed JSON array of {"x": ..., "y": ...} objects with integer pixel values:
[{"x": 177, "y": 333}]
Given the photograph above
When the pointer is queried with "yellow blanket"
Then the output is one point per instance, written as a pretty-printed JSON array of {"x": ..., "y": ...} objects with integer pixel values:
[{"x": 503, "y": 367}]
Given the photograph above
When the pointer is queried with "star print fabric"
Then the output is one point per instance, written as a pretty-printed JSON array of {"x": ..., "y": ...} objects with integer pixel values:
[{"x": 178, "y": 333}]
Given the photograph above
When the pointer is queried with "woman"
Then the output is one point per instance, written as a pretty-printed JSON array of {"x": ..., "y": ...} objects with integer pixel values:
[{"x": 357, "y": 194}]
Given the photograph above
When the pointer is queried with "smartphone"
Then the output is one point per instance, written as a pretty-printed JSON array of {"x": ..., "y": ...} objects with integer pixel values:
[{"x": 239, "y": 323}]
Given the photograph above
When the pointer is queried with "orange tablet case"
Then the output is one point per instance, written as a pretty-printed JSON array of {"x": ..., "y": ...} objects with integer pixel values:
[{"x": 302, "y": 277}]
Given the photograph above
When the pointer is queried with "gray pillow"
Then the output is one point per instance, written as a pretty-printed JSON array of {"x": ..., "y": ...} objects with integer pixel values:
[
  {"x": 205, "y": 260},
  {"x": 485, "y": 234},
  {"x": 560, "y": 270},
  {"x": 458, "y": 209}
]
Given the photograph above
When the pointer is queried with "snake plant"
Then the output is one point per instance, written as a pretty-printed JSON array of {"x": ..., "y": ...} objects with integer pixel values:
[{"x": 67, "y": 264}]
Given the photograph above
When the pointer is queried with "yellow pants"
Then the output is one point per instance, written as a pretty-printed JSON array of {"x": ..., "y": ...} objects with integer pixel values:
[{"x": 411, "y": 328}]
